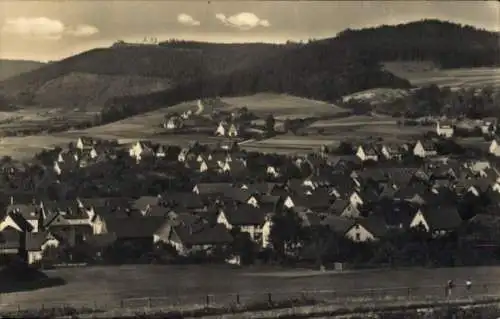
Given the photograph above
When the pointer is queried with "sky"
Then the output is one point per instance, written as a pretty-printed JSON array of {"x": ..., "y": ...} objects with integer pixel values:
[{"x": 51, "y": 30}]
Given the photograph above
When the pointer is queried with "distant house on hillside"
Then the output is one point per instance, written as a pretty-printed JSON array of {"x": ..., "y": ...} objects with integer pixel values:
[
  {"x": 173, "y": 122},
  {"x": 226, "y": 129},
  {"x": 488, "y": 125},
  {"x": 444, "y": 129}
]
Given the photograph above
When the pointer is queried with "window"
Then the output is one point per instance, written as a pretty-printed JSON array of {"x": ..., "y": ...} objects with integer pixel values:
[{"x": 358, "y": 237}]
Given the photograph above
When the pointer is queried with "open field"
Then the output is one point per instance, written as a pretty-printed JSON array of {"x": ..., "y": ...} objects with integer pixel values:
[
  {"x": 354, "y": 120},
  {"x": 191, "y": 284},
  {"x": 283, "y": 106},
  {"x": 454, "y": 78}
]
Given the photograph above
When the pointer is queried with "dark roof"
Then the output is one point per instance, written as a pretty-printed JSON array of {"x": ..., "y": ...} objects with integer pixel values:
[
  {"x": 10, "y": 238},
  {"x": 442, "y": 217},
  {"x": 101, "y": 240},
  {"x": 28, "y": 211},
  {"x": 375, "y": 225},
  {"x": 114, "y": 202},
  {"x": 213, "y": 188},
  {"x": 21, "y": 222},
  {"x": 338, "y": 224},
  {"x": 134, "y": 227},
  {"x": 243, "y": 215},
  {"x": 206, "y": 235},
  {"x": 186, "y": 200},
  {"x": 145, "y": 201},
  {"x": 34, "y": 241},
  {"x": 337, "y": 208}
]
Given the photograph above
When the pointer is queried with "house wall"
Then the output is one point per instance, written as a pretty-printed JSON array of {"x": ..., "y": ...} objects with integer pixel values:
[
  {"x": 355, "y": 200},
  {"x": 350, "y": 212},
  {"x": 272, "y": 171},
  {"x": 358, "y": 233},
  {"x": 385, "y": 152},
  {"x": 220, "y": 130},
  {"x": 79, "y": 144},
  {"x": 418, "y": 220},
  {"x": 98, "y": 226},
  {"x": 8, "y": 221},
  {"x": 361, "y": 153},
  {"x": 473, "y": 190},
  {"x": 252, "y": 201},
  {"x": 288, "y": 203},
  {"x": 266, "y": 233},
  {"x": 34, "y": 256},
  {"x": 418, "y": 150}
]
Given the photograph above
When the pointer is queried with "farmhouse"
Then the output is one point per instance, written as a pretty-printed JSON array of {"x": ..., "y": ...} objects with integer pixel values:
[
  {"x": 424, "y": 149},
  {"x": 249, "y": 219},
  {"x": 444, "y": 128},
  {"x": 367, "y": 152},
  {"x": 227, "y": 129}
]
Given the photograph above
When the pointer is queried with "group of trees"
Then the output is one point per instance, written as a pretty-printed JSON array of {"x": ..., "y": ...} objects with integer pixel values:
[{"x": 449, "y": 45}]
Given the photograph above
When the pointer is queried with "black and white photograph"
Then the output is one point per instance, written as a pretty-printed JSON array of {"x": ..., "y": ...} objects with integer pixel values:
[{"x": 249, "y": 159}]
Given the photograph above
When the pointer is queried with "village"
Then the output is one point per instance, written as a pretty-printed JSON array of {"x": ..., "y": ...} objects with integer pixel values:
[{"x": 97, "y": 201}]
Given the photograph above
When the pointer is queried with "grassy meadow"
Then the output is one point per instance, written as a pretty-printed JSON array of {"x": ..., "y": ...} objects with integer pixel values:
[{"x": 107, "y": 287}]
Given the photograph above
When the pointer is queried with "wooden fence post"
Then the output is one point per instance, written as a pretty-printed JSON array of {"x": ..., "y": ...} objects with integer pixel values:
[
  {"x": 237, "y": 298},
  {"x": 149, "y": 302},
  {"x": 121, "y": 303},
  {"x": 269, "y": 298},
  {"x": 409, "y": 293},
  {"x": 207, "y": 300}
]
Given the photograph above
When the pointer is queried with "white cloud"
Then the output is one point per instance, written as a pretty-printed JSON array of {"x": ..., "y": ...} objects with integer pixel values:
[
  {"x": 83, "y": 30},
  {"x": 188, "y": 20},
  {"x": 45, "y": 28},
  {"x": 35, "y": 27},
  {"x": 243, "y": 20}
]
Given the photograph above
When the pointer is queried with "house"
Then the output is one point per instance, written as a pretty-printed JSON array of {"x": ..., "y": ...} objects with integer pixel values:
[
  {"x": 249, "y": 219},
  {"x": 367, "y": 152},
  {"x": 488, "y": 125},
  {"x": 141, "y": 149},
  {"x": 23, "y": 217},
  {"x": 438, "y": 220},
  {"x": 137, "y": 229},
  {"x": 37, "y": 244},
  {"x": 424, "y": 149},
  {"x": 173, "y": 122},
  {"x": 188, "y": 233},
  {"x": 11, "y": 242},
  {"x": 84, "y": 142},
  {"x": 367, "y": 229},
  {"x": 494, "y": 148},
  {"x": 444, "y": 129},
  {"x": 392, "y": 151},
  {"x": 344, "y": 208},
  {"x": 226, "y": 129}
]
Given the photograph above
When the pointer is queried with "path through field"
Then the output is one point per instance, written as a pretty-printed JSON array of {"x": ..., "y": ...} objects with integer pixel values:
[{"x": 107, "y": 287}]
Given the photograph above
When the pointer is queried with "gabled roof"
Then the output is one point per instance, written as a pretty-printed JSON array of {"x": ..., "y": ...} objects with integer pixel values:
[
  {"x": 244, "y": 215},
  {"x": 134, "y": 227},
  {"x": 375, "y": 225},
  {"x": 442, "y": 217},
  {"x": 27, "y": 211},
  {"x": 21, "y": 222},
  {"x": 213, "y": 188},
  {"x": 206, "y": 235},
  {"x": 339, "y": 225},
  {"x": 145, "y": 201},
  {"x": 34, "y": 241},
  {"x": 338, "y": 207}
]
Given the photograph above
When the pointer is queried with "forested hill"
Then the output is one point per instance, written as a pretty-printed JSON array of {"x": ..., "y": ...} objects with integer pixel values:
[
  {"x": 318, "y": 70},
  {"x": 450, "y": 45},
  {"x": 10, "y": 68}
]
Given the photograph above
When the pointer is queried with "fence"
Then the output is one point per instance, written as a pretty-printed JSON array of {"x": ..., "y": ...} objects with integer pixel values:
[{"x": 339, "y": 296}]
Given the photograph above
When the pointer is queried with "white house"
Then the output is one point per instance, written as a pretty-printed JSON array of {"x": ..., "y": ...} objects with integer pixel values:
[
  {"x": 424, "y": 149},
  {"x": 221, "y": 129},
  {"x": 494, "y": 148},
  {"x": 271, "y": 171},
  {"x": 249, "y": 219},
  {"x": 366, "y": 153},
  {"x": 488, "y": 125},
  {"x": 444, "y": 129},
  {"x": 139, "y": 149},
  {"x": 38, "y": 243}
]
